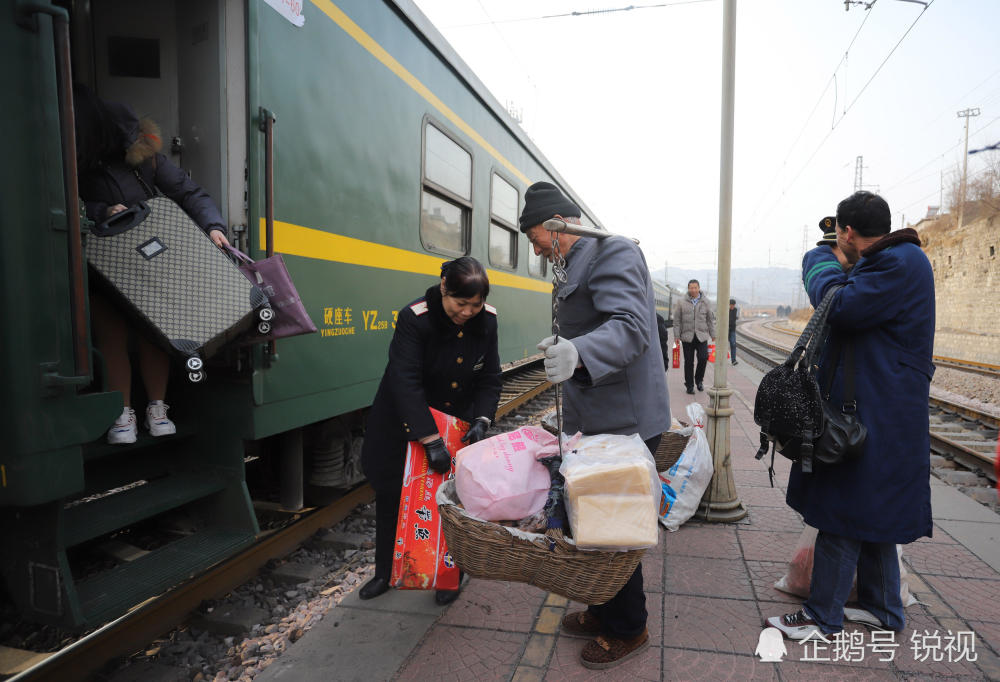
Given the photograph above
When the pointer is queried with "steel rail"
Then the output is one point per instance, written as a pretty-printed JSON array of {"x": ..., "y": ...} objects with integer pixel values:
[
  {"x": 968, "y": 457},
  {"x": 157, "y": 615},
  {"x": 148, "y": 620}
]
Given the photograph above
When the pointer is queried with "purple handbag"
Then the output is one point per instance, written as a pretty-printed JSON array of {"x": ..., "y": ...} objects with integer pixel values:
[{"x": 271, "y": 275}]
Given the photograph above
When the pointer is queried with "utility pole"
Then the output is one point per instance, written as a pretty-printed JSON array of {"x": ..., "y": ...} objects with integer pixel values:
[
  {"x": 858, "y": 168},
  {"x": 941, "y": 195},
  {"x": 720, "y": 501},
  {"x": 966, "y": 114}
]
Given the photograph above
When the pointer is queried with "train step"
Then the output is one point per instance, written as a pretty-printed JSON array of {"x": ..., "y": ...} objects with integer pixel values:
[
  {"x": 86, "y": 520},
  {"x": 101, "y": 448},
  {"x": 113, "y": 592}
]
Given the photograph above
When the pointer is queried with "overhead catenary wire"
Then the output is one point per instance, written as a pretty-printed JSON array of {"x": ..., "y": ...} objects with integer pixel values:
[
  {"x": 592, "y": 12},
  {"x": 846, "y": 110}
]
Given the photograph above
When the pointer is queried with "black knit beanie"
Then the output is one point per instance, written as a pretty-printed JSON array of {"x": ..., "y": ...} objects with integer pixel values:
[{"x": 542, "y": 201}]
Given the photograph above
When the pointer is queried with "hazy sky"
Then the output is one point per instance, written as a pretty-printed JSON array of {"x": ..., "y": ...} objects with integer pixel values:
[{"x": 627, "y": 104}]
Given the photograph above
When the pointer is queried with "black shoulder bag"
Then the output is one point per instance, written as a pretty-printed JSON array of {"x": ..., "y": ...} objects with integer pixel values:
[
  {"x": 791, "y": 412},
  {"x": 843, "y": 434}
]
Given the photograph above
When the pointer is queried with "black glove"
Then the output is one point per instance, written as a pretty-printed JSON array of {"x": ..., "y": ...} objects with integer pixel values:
[
  {"x": 438, "y": 456},
  {"x": 477, "y": 431}
]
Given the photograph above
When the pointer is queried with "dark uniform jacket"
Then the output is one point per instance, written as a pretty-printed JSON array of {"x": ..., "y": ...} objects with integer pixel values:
[
  {"x": 886, "y": 309},
  {"x": 432, "y": 363}
]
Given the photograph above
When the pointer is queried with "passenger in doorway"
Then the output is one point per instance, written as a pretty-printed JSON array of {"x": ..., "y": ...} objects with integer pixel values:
[
  {"x": 609, "y": 360},
  {"x": 694, "y": 325},
  {"x": 734, "y": 314},
  {"x": 120, "y": 164},
  {"x": 864, "y": 507},
  {"x": 443, "y": 355}
]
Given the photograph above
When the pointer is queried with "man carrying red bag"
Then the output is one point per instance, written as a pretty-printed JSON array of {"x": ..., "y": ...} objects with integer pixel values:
[{"x": 443, "y": 355}]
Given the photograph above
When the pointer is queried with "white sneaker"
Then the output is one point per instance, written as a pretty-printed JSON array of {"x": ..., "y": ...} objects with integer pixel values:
[
  {"x": 794, "y": 625},
  {"x": 863, "y": 616},
  {"x": 156, "y": 419},
  {"x": 123, "y": 430}
]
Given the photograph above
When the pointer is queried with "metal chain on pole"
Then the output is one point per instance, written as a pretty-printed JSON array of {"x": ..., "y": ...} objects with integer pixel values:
[{"x": 558, "y": 278}]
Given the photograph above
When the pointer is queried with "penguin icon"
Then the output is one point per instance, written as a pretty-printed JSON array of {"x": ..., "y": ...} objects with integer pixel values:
[{"x": 771, "y": 646}]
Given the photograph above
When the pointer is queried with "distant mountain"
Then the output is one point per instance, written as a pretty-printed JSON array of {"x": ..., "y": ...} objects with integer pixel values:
[{"x": 761, "y": 286}]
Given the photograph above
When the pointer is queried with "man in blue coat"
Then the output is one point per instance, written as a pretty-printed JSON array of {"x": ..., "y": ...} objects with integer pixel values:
[
  {"x": 863, "y": 507},
  {"x": 609, "y": 357}
]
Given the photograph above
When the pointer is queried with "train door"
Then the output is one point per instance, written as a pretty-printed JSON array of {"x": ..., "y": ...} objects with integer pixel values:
[{"x": 173, "y": 62}]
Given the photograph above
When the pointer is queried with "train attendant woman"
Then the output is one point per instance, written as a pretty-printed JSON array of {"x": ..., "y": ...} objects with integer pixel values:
[{"x": 443, "y": 355}]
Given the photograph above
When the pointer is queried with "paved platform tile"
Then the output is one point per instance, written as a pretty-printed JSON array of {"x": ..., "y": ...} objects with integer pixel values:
[
  {"x": 755, "y": 477},
  {"x": 763, "y": 575},
  {"x": 951, "y": 559},
  {"x": 916, "y": 655},
  {"x": 496, "y": 605},
  {"x": 767, "y": 545},
  {"x": 971, "y": 598},
  {"x": 707, "y": 577},
  {"x": 453, "y": 654},
  {"x": 774, "y": 519},
  {"x": 795, "y": 670},
  {"x": 718, "y": 541},
  {"x": 565, "y": 665},
  {"x": 763, "y": 497},
  {"x": 652, "y": 571},
  {"x": 987, "y": 633},
  {"x": 695, "y": 666},
  {"x": 707, "y": 624}
]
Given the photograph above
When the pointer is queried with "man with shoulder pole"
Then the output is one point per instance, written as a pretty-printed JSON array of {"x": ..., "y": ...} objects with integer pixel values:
[
  {"x": 878, "y": 355},
  {"x": 610, "y": 367}
]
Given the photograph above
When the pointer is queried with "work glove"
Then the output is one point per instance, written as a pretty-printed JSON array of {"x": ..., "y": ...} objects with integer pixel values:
[
  {"x": 561, "y": 358},
  {"x": 477, "y": 431},
  {"x": 438, "y": 456}
]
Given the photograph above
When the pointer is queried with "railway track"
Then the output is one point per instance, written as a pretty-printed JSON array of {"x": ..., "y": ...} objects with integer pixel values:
[
  {"x": 87, "y": 655},
  {"x": 970, "y": 366},
  {"x": 957, "y": 431}
]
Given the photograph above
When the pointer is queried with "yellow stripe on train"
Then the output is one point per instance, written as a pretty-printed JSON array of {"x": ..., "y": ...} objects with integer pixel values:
[{"x": 296, "y": 240}]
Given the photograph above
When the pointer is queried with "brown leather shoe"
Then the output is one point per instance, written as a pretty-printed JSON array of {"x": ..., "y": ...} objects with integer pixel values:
[
  {"x": 607, "y": 652},
  {"x": 581, "y": 624}
]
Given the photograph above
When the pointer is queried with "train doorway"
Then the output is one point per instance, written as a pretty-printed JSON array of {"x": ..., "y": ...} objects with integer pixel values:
[{"x": 181, "y": 63}]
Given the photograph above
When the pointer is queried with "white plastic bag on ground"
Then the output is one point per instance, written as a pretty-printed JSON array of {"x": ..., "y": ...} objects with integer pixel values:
[
  {"x": 798, "y": 577},
  {"x": 684, "y": 483},
  {"x": 612, "y": 493}
]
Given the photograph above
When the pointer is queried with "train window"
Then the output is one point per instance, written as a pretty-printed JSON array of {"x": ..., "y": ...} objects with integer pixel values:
[
  {"x": 443, "y": 225},
  {"x": 503, "y": 201},
  {"x": 503, "y": 223},
  {"x": 446, "y": 164},
  {"x": 503, "y": 246},
  {"x": 536, "y": 265},
  {"x": 446, "y": 199}
]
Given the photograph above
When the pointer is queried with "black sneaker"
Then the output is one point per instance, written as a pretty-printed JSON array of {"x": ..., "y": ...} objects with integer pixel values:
[
  {"x": 690, "y": 391},
  {"x": 701, "y": 387},
  {"x": 794, "y": 625}
]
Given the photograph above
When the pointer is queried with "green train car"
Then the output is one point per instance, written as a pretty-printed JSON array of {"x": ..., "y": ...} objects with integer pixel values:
[{"x": 373, "y": 153}]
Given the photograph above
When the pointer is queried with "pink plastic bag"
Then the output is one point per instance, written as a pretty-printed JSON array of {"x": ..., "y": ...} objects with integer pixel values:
[{"x": 500, "y": 478}]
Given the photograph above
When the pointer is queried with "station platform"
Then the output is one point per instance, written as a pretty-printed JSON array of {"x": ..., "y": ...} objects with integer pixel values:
[{"x": 708, "y": 588}]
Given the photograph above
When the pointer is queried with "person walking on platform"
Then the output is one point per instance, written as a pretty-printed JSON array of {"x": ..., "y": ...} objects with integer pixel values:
[
  {"x": 864, "y": 507},
  {"x": 443, "y": 355},
  {"x": 734, "y": 314},
  {"x": 663, "y": 331},
  {"x": 609, "y": 361},
  {"x": 694, "y": 325}
]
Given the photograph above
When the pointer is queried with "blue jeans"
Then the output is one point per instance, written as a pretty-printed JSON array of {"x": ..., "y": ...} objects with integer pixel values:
[
  {"x": 732, "y": 345},
  {"x": 835, "y": 562}
]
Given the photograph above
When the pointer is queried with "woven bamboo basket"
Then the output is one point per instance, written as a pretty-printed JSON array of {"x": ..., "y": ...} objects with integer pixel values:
[
  {"x": 490, "y": 551},
  {"x": 671, "y": 446}
]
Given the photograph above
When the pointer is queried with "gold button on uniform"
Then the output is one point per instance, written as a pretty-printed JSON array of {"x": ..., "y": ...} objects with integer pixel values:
[
  {"x": 447, "y": 404},
  {"x": 459, "y": 359},
  {"x": 454, "y": 384},
  {"x": 460, "y": 334}
]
